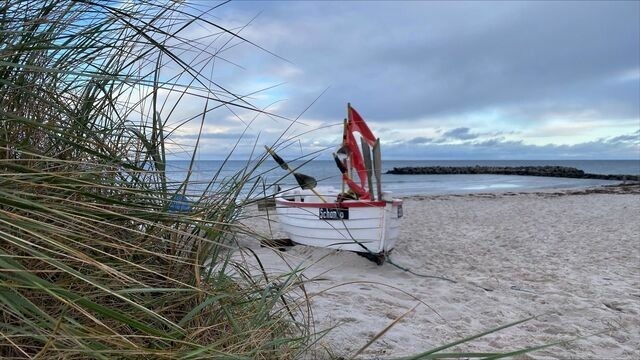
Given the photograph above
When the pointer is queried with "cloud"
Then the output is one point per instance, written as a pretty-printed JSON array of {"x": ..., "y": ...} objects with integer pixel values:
[
  {"x": 626, "y": 139},
  {"x": 518, "y": 79},
  {"x": 430, "y": 57},
  {"x": 420, "y": 140},
  {"x": 461, "y": 133},
  {"x": 216, "y": 136},
  {"x": 619, "y": 147}
]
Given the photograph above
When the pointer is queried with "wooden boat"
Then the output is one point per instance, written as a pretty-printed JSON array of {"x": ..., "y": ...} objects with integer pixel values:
[{"x": 359, "y": 218}]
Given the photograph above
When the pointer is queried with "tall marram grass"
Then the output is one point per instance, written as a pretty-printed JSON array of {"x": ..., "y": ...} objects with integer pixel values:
[{"x": 93, "y": 262}]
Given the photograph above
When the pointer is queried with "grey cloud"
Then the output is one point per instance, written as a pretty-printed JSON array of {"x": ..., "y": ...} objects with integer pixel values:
[
  {"x": 619, "y": 147},
  {"x": 216, "y": 136},
  {"x": 434, "y": 58},
  {"x": 494, "y": 142},
  {"x": 498, "y": 148},
  {"x": 461, "y": 133},
  {"x": 420, "y": 140},
  {"x": 631, "y": 138}
]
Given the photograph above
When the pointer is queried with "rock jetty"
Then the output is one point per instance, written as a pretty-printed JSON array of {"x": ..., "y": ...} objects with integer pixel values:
[{"x": 550, "y": 171}]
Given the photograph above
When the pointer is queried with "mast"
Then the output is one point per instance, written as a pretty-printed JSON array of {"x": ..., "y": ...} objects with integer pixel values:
[
  {"x": 344, "y": 146},
  {"x": 348, "y": 128},
  {"x": 377, "y": 167},
  {"x": 366, "y": 152},
  {"x": 354, "y": 161}
]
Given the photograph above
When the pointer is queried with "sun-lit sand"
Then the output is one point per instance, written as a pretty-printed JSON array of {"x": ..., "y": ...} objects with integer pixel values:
[{"x": 572, "y": 260}]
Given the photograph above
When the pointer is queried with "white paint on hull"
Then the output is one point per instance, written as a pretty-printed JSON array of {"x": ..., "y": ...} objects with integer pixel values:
[{"x": 371, "y": 226}]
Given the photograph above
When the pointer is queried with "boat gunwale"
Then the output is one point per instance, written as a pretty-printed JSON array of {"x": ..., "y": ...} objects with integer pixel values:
[{"x": 338, "y": 205}]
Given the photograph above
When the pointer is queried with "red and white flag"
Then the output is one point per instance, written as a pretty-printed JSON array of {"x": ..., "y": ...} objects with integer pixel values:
[{"x": 356, "y": 123}]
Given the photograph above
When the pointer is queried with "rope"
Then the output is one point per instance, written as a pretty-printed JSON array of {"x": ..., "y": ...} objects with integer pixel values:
[{"x": 403, "y": 268}]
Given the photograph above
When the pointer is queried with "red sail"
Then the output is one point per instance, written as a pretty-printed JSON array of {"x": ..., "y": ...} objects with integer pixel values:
[
  {"x": 356, "y": 158},
  {"x": 352, "y": 149},
  {"x": 357, "y": 123},
  {"x": 360, "y": 191}
]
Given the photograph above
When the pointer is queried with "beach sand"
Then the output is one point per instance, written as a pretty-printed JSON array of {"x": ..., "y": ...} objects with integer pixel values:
[{"x": 571, "y": 258}]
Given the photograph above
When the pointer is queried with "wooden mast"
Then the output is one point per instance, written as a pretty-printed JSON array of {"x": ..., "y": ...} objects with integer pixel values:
[
  {"x": 344, "y": 146},
  {"x": 377, "y": 165},
  {"x": 366, "y": 153},
  {"x": 348, "y": 127}
]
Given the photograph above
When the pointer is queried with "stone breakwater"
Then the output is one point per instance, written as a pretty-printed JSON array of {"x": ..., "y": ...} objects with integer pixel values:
[{"x": 550, "y": 171}]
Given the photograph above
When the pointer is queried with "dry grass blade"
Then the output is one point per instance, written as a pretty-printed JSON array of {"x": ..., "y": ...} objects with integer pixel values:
[{"x": 384, "y": 331}]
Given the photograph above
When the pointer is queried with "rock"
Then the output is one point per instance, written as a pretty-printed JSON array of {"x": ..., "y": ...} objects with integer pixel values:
[{"x": 550, "y": 171}]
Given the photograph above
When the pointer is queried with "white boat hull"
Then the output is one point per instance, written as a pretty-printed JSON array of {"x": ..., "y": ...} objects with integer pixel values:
[{"x": 353, "y": 225}]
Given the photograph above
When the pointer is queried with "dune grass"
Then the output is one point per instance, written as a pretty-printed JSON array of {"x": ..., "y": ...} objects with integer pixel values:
[{"x": 93, "y": 264}]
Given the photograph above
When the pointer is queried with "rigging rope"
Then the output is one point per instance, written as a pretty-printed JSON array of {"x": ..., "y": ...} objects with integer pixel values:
[{"x": 403, "y": 268}]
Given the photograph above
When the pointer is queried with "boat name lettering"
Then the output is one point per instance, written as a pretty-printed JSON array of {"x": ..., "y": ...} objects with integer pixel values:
[{"x": 333, "y": 214}]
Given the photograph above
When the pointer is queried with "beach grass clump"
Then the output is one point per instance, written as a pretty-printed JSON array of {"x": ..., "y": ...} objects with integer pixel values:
[{"x": 102, "y": 254}]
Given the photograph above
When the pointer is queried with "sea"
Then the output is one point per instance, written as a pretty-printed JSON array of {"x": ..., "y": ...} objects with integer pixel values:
[{"x": 268, "y": 176}]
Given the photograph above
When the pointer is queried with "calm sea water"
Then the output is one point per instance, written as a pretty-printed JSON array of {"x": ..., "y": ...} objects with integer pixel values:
[{"x": 328, "y": 175}]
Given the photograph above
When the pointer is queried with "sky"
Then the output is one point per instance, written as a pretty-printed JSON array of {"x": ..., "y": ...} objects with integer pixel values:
[{"x": 434, "y": 80}]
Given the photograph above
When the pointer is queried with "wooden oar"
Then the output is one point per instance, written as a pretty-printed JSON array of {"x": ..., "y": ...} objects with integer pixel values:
[
  {"x": 377, "y": 167},
  {"x": 306, "y": 182},
  {"x": 340, "y": 165},
  {"x": 366, "y": 154}
]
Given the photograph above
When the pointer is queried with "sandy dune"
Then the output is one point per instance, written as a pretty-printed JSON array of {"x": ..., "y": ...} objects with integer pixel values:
[{"x": 573, "y": 260}]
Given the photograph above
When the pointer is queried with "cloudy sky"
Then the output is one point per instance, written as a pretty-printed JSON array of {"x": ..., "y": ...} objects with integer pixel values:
[{"x": 434, "y": 80}]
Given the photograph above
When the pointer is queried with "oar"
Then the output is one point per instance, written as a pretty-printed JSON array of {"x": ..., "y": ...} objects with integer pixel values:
[
  {"x": 340, "y": 164},
  {"x": 377, "y": 167},
  {"x": 306, "y": 182},
  {"x": 366, "y": 153}
]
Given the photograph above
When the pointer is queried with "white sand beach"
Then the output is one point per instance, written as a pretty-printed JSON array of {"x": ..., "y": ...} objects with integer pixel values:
[{"x": 571, "y": 258}]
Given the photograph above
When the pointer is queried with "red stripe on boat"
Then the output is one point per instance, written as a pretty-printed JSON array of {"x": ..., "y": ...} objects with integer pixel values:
[{"x": 340, "y": 205}]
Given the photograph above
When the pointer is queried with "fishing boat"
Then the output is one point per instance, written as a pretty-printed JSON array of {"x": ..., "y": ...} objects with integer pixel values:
[{"x": 360, "y": 217}]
